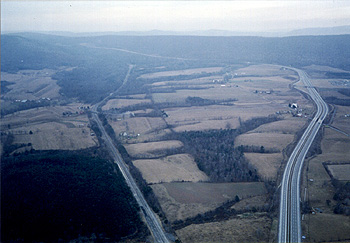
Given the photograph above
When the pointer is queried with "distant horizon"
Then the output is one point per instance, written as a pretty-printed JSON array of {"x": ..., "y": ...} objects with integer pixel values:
[
  {"x": 335, "y": 30},
  {"x": 175, "y": 16}
]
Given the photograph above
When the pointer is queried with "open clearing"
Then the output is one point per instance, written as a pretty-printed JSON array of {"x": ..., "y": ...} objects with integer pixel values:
[
  {"x": 288, "y": 126},
  {"x": 268, "y": 140},
  {"x": 212, "y": 192},
  {"x": 340, "y": 172},
  {"x": 181, "y": 72},
  {"x": 181, "y": 200},
  {"x": 250, "y": 229},
  {"x": 267, "y": 165},
  {"x": 50, "y": 129},
  {"x": 121, "y": 103},
  {"x": 151, "y": 149},
  {"x": 138, "y": 125},
  {"x": 31, "y": 85},
  {"x": 327, "y": 226},
  {"x": 53, "y": 135},
  {"x": 179, "y": 167},
  {"x": 213, "y": 117},
  {"x": 264, "y": 70}
]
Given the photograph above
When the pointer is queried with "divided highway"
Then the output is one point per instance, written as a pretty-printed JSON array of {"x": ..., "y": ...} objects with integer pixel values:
[
  {"x": 152, "y": 221},
  {"x": 289, "y": 217}
]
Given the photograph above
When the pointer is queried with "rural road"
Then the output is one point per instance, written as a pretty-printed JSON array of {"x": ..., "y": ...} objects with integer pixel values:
[
  {"x": 289, "y": 217},
  {"x": 152, "y": 221},
  {"x": 134, "y": 52}
]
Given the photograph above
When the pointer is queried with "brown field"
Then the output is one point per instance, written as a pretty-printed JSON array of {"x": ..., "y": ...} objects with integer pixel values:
[
  {"x": 197, "y": 81},
  {"x": 212, "y": 192},
  {"x": 268, "y": 140},
  {"x": 138, "y": 125},
  {"x": 231, "y": 123},
  {"x": 179, "y": 167},
  {"x": 340, "y": 172},
  {"x": 181, "y": 72},
  {"x": 213, "y": 117},
  {"x": 264, "y": 70},
  {"x": 214, "y": 92},
  {"x": 335, "y": 146},
  {"x": 250, "y": 202},
  {"x": 121, "y": 103},
  {"x": 267, "y": 165},
  {"x": 53, "y": 135},
  {"x": 182, "y": 200},
  {"x": 287, "y": 126},
  {"x": 151, "y": 149},
  {"x": 340, "y": 121},
  {"x": 31, "y": 85},
  {"x": 249, "y": 229},
  {"x": 327, "y": 226},
  {"x": 51, "y": 130}
]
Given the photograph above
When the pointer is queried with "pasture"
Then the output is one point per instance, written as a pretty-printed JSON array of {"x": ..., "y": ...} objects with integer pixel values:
[
  {"x": 179, "y": 167},
  {"x": 181, "y": 72},
  {"x": 340, "y": 172},
  {"x": 151, "y": 149}
]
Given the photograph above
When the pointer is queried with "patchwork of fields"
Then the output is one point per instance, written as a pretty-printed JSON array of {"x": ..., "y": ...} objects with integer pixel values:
[{"x": 220, "y": 100}]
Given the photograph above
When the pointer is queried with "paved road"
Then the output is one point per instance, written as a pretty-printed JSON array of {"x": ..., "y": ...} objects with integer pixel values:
[
  {"x": 152, "y": 221},
  {"x": 134, "y": 52},
  {"x": 289, "y": 218}
]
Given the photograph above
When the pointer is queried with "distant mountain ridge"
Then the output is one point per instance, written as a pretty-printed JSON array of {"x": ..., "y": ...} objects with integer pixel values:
[{"x": 337, "y": 30}]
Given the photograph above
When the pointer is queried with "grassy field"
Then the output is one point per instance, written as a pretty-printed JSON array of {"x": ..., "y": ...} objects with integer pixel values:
[
  {"x": 181, "y": 72},
  {"x": 179, "y": 167},
  {"x": 328, "y": 227},
  {"x": 335, "y": 148},
  {"x": 250, "y": 229},
  {"x": 151, "y": 149},
  {"x": 50, "y": 129},
  {"x": 340, "y": 172},
  {"x": 31, "y": 85},
  {"x": 267, "y": 165},
  {"x": 268, "y": 140},
  {"x": 213, "y": 192},
  {"x": 183, "y": 200},
  {"x": 288, "y": 126},
  {"x": 264, "y": 70},
  {"x": 121, "y": 103},
  {"x": 140, "y": 125}
]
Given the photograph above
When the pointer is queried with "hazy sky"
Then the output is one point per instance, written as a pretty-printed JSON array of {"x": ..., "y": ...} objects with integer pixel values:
[{"x": 91, "y": 16}]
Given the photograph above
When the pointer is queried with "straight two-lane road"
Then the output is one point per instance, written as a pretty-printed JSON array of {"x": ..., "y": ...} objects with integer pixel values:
[
  {"x": 151, "y": 220},
  {"x": 289, "y": 217}
]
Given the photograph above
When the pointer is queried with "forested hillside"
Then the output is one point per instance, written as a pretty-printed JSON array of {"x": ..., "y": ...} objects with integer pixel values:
[
  {"x": 49, "y": 196},
  {"x": 100, "y": 63}
]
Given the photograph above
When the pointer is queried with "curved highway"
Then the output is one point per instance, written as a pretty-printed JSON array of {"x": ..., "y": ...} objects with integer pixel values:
[
  {"x": 151, "y": 220},
  {"x": 289, "y": 217}
]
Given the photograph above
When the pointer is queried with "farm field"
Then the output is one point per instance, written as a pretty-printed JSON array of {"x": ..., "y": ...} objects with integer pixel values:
[
  {"x": 320, "y": 191},
  {"x": 252, "y": 228},
  {"x": 268, "y": 140},
  {"x": 340, "y": 172},
  {"x": 267, "y": 165},
  {"x": 182, "y": 200},
  {"x": 181, "y": 72},
  {"x": 152, "y": 149},
  {"x": 140, "y": 125},
  {"x": 46, "y": 128},
  {"x": 121, "y": 103},
  {"x": 288, "y": 126},
  {"x": 179, "y": 167},
  {"x": 31, "y": 85}
]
